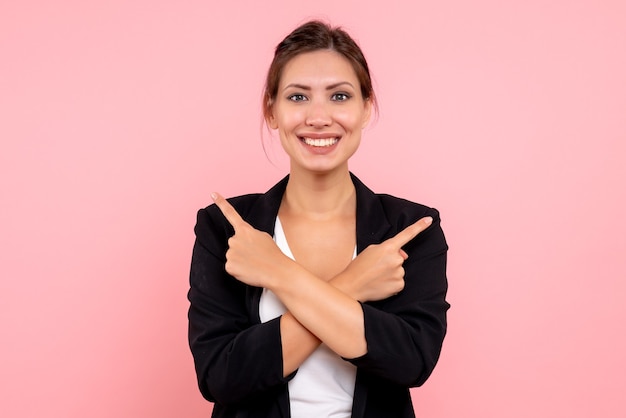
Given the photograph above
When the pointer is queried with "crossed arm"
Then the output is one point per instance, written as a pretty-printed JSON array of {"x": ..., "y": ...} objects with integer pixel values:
[{"x": 318, "y": 311}]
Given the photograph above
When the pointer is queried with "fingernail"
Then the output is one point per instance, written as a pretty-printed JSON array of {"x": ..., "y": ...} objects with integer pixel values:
[
  {"x": 428, "y": 220},
  {"x": 214, "y": 196}
]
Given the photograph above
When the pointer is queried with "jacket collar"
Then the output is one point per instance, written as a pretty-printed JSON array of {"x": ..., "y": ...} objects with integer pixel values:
[{"x": 371, "y": 222}]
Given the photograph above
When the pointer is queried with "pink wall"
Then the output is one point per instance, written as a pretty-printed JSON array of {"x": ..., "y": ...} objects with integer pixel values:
[{"x": 118, "y": 118}]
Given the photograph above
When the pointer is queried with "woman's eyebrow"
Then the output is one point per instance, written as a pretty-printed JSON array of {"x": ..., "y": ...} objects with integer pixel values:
[
  {"x": 308, "y": 88},
  {"x": 341, "y": 83},
  {"x": 297, "y": 86}
]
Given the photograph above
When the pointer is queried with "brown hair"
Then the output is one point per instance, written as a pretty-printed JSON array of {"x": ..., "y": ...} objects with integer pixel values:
[{"x": 313, "y": 36}]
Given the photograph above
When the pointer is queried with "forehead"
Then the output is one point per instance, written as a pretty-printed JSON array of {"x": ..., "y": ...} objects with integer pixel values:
[{"x": 318, "y": 67}]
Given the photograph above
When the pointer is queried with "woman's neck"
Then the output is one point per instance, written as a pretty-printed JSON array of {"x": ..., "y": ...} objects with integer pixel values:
[{"x": 320, "y": 196}]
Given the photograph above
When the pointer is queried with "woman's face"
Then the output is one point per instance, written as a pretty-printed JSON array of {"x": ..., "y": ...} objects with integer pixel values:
[{"x": 319, "y": 111}]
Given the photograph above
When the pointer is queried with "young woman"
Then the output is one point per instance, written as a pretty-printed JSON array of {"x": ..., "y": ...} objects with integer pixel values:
[{"x": 318, "y": 298}]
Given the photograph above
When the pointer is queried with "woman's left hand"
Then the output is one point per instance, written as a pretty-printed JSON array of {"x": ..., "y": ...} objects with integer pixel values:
[{"x": 252, "y": 257}]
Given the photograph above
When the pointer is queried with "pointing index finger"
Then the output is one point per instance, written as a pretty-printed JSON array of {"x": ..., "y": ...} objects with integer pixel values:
[
  {"x": 230, "y": 213},
  {"x": 411, "y": 231}
]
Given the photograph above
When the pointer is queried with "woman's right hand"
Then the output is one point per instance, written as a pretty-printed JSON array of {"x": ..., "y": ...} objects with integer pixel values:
[{"x": 377, "y": 272}]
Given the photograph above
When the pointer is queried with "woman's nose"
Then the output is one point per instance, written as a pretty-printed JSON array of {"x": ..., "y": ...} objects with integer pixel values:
[{"x": 318, "y": 115}]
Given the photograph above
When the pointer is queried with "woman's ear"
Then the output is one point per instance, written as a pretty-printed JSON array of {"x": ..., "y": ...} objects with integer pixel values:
[
  {"x": 271, "y": 122},
  {"x": 270, "y": 119},
  {"x": 367, "y": 115}
]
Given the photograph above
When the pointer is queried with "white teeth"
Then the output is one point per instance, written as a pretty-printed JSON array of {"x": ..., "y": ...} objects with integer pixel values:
[{"x": 324, "y": 142}]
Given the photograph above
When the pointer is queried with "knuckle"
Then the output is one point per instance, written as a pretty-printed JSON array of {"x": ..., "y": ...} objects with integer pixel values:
[
  {"x": 400, "y": 284},
  {"x": 401, "y": 270}
]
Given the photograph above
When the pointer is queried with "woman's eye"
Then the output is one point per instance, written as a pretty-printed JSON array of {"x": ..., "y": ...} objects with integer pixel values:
[
  {"x": 297, "y": 97},
  {"x": 340, "y": 97}
]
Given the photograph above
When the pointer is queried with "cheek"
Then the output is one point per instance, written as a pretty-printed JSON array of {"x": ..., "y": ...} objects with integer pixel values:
[
  {"x": 350, "y": 119},
  {"x": 288, "y": 121}
]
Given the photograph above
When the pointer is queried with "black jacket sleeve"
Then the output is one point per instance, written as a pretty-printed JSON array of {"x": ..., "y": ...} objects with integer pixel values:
[
  {"x": 405, "y": 332},
  {"x": 235, "y": 356}
]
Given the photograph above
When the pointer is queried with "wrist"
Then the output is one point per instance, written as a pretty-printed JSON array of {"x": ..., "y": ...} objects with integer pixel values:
[
  {"x": 343, "y": 282},
  {"x": 284, "y": 275}
]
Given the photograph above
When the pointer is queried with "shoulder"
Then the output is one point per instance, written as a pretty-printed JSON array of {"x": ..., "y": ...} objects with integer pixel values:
[
  {"x": 242, "y": 204},
  {"x": 401, "y": 213},
  {"x": 258, "y": 209},
  {"x": 403, "y": 210},
  {"x": 213, "y": 229},
  {"x": 381, "y": 216},
  {"x": 397, "y": 211}
]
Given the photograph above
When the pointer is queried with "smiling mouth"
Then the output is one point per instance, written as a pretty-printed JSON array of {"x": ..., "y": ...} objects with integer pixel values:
[{"x": 322, "y": 142}]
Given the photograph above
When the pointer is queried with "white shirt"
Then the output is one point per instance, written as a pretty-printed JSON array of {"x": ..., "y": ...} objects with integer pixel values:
[{"x": 324, "y": 383}]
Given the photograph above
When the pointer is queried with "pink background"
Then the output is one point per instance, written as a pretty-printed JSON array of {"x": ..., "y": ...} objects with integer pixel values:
[{"x": 118, "y": 118}]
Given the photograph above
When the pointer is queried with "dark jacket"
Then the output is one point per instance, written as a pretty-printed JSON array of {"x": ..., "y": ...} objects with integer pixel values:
[{"x": 238, "y": 359}]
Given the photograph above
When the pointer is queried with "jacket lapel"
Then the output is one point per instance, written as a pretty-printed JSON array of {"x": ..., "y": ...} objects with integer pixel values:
[
  {"x": 263, "y": 213},
  {"x": 371, "y": 223}
]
